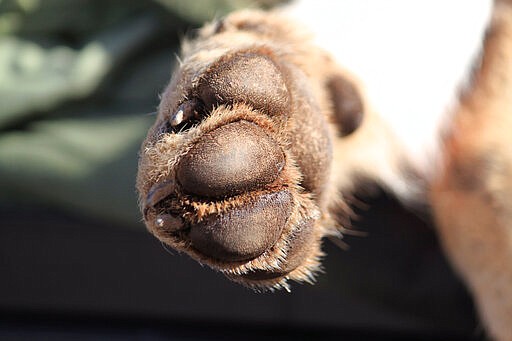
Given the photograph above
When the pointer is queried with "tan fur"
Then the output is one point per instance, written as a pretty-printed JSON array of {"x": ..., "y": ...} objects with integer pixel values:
[
  {"x": 471, "y": 196},
  {"x": 161, "y": 152},
  {"x": 472, "y": 200}
]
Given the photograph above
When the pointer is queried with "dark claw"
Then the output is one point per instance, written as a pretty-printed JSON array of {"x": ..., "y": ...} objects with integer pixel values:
[
  {"x": 169, "y": 223},
  {"x": 187, "y": 112}
]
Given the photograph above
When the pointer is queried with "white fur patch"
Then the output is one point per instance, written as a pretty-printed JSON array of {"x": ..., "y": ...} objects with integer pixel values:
[{"x": 412, "y": 56}]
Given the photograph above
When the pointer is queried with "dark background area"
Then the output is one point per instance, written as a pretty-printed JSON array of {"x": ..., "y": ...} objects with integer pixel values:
[
  {"x": 63, "y": 275},
  {"x": 77, "y": 81}
]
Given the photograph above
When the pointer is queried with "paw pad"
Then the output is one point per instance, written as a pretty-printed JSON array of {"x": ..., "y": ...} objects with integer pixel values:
[
  {"x": 234, "y": 158},
  {"x": 246, "y": 77},
  {"x": 244, "y": 232}
]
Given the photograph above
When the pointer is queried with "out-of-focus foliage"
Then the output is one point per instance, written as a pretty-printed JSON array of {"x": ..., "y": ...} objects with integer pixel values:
[{"x": 77, "y": 79}]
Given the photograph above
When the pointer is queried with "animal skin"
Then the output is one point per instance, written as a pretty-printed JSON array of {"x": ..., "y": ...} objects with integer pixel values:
[{"x": 260, "y": 133}]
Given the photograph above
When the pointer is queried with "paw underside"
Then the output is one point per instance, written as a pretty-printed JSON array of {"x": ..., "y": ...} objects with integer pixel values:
[{"x": 236, "y": 169}]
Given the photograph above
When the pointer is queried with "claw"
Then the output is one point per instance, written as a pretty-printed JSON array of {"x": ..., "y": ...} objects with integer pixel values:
[
  {"x": 186, "y": 111},
  {"x": 169, "y": 223},
  {"x": 177, "y": 118}
]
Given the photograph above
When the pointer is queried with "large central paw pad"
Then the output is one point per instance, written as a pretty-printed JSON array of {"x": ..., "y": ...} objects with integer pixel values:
[
  {"x": 234, "y": 170},
  {"x": 232, "y": 159}
]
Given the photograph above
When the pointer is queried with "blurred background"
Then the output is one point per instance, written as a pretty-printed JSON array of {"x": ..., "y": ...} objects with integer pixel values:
[{"x": 78, "y": 81}]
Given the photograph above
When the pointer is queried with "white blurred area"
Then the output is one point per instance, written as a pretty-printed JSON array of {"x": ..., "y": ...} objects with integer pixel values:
[{"x": 413, "y": 57}]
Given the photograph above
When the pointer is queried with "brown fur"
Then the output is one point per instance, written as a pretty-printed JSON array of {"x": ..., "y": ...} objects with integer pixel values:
[
  {"x": 257, "y": 70},
  {"x": 303, "y": 138},
  {"x": 472, "y": 199}
]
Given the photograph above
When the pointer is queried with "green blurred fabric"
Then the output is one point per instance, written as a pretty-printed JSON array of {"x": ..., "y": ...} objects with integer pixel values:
[{"x": 78, "y": 81}]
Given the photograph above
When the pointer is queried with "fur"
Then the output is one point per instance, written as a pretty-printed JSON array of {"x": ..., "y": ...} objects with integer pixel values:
[{"x": 416, "y": 96}]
